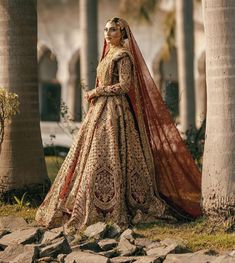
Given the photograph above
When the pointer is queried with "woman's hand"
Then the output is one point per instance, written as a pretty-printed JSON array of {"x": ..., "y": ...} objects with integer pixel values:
[{"x": 91, "y": 94}]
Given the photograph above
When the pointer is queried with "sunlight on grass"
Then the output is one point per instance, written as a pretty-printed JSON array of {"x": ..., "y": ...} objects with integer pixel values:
[
  {"x": 28, "y": 213},
  {"x": 195, "y": 235},
  {"x": 53, "y": 164}
]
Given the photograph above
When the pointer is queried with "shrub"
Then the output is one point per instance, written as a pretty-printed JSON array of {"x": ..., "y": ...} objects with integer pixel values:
[{"x": 195, "y": 139}]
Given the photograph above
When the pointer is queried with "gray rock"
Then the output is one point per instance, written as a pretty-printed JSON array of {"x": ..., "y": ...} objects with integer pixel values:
[
  {"x": 59, "y": 246},
  {"x": 57, "y": 229},
  {"x": 127, "y": 234},
  {"x": 107, "y": 244},
  {"x": 90, "y": 245},
  {"x": 143, "y": 242},
  {"x": 96, "y": 231},
  {"x": 110, "y": 253},
  {"x": 197, "y": 257},
  {"x": 75, "y": 248},
  {"x": 123, "y": 259},
  {"x": 85, "y": 257},
  {"x": 19, "y": 254},
  {"x": 137, "y": 259},
  {"x": 45, "y": 260},
  {"x": 225, "y": 259},
  {"x": 149, "y": 259},
  {"x": 169, "y": 241},
  {"x": 70, "y": 238},
  {"x": 180, "y": 247},
  {"x": 126, "y": 248},
  {"x": 154, "y": 244},
  {"x": 12, "y": 223},
  {"x": 161, "y": 251},
  {"x": 2, "y": 247},
  {"x": 4, "y": 232},
  {"x": 26, "y": 236},
  {"x": 49, "y": 236},
  {"x": 113, "y": 231},
  {"x": 33, "y": 224},
  {"x": 61, "y": 258}
]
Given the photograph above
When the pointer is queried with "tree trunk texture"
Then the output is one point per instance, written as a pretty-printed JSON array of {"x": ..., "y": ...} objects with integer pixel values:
[
  {"x": 218, "y": 181},
  {"x": 88, "y": 22},
  {"x": 22, "y": 163},
  {"x": 185, "y": 56}
]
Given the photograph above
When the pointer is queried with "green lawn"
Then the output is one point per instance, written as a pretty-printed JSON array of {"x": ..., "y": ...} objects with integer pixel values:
[
  {"x": 194, "y": 235},
  {"x": 53, "y": 165},
  {"x": 28, "y": 213}
]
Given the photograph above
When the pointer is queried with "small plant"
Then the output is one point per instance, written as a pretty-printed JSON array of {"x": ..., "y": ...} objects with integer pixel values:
[
  {"x": 195, "y": 139},
  {"x": 9, "y": 106},
  {"x": 21, "y": 202},
  {"x": 67, "y": 120}
]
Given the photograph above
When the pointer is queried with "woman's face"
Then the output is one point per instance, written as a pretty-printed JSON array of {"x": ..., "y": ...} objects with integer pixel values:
[{"x": 112, "y": 33}]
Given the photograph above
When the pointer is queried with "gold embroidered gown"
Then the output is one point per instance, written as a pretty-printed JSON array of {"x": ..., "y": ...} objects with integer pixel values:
[{"x": 105, "y": 176}]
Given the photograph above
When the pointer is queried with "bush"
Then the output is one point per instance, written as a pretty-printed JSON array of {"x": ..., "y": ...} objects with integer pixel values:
[{"x": 195, "y": 140}]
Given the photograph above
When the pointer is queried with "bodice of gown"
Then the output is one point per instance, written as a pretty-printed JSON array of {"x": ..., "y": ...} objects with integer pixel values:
[
  {"x": 115, "y": 72},
  {"x": 103, "y": 69}
]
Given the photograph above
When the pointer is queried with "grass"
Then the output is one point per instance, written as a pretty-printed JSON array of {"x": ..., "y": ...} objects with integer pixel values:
[
  {"x": 196, "y": 235},
  {"x": 28, "y": 213},
  {"x": 53, "y": 165}
]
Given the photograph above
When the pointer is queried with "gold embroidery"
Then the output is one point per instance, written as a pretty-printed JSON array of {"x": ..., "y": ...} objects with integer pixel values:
[{"x": 111, "y": 166}]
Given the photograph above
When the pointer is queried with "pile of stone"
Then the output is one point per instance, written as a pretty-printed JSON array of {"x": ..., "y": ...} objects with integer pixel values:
[{"x": 100, "y": 243}]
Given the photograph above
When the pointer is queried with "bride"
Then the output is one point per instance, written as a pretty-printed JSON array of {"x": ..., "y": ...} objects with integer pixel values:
[{"x": 128, "y": 158}]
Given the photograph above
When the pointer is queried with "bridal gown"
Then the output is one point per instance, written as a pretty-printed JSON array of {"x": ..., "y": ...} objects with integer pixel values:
[{"x": 105, "y": 176}]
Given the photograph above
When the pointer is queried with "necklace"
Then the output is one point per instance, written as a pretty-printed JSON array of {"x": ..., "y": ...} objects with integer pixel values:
[{"x": 113, "y": 49}]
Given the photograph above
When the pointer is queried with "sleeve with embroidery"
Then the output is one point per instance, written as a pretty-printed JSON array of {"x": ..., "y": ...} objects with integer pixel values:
[{"x": 124, "y": 75}]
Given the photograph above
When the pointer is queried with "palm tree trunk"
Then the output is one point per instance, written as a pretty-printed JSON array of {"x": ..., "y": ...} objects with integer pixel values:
[
  {"x": 22, "y": 163},
  {"x": 88, "y": 22},
  {"x": 185, "y": 51},
  {"x": 218, "y": 181}
]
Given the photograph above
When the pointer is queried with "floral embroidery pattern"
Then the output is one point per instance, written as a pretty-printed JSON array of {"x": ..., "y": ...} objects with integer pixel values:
[
  {"x": 104, "y": 187},
  {"x": 111, "y": 178}
]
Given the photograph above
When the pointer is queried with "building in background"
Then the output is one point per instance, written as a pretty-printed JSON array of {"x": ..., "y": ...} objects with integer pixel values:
[{"x": 59, "y": 44}]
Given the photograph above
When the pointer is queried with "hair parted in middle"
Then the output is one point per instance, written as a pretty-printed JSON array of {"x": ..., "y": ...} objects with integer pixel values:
[{"x": 118, "y": 22}]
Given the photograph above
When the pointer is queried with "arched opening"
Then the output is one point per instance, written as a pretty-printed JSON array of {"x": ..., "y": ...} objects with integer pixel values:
[
  {"x": 75, "y": 87},
  {"x": 49, "y": 87},
  {"x": 166, "y": 77}
]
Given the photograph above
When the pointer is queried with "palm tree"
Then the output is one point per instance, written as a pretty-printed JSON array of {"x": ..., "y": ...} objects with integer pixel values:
[
  {"x": 218, "y": 182},
  {"x": 185, "y": 54},
  {"x": 22, "y": 163}
]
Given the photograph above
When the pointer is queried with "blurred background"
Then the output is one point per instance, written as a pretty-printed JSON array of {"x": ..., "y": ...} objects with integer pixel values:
[{"x": 70, "y": 39}]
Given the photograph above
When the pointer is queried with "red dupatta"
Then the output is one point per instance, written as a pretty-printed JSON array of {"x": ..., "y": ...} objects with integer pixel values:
[{"x": 176, "y": 177}]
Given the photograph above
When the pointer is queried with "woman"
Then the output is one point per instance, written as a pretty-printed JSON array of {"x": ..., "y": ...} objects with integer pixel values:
[{"x": 128, "y": 154}]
